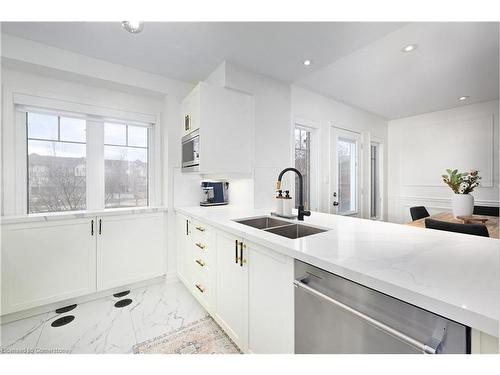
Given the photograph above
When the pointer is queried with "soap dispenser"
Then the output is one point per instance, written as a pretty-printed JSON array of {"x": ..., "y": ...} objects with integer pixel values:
[
  {"x": 279, "y": 203},
  {"x": 287, "y": 204}
]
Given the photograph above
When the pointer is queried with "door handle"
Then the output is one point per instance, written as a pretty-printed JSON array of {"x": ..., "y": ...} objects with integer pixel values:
[
  {"x": 242, "y": 246},
  {"x": 200, "y": 288},
  {"x": 236, "y": 251},
  {"x": 424, "y": 348},
  {"x": 335, "y": 203},
  {"x": 200, "y": 262},
  {"x": 92, "y": 227},
  {"x": 100, "y": 226},
  {"x": 200, "y": 245},
  {"x": 200, "y": 228}
]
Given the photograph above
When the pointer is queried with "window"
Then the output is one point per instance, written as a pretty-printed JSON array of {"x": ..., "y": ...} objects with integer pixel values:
[
  {"x": 347, "y": 175},
  {"x": 125, "y": 165},
  {"x": 56, "y": 164},
  {"x": 303, "y": 164},
  {"x": 75, "y": 162}
]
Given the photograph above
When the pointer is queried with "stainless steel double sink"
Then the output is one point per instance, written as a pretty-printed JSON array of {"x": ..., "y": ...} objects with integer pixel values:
[{"x": 281, "y": 227}]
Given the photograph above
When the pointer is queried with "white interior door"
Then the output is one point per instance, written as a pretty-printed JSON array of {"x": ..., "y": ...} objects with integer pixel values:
[{"x": 345, "y": 176}]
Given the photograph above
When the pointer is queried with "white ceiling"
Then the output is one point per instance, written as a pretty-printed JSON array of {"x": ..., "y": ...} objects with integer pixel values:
[
  {"x": 452, "y": 60},
  {"x": 189, "y": 51},
  {"x": 359, "y": 63}
]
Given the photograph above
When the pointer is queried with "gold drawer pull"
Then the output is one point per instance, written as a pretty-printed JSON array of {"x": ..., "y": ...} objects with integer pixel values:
[
  {"x": 200, "y": 288},
  {"x": 200, "y": 245},
  {"x": 200, "y": 228},
  {"x": 200, "y": 262}
]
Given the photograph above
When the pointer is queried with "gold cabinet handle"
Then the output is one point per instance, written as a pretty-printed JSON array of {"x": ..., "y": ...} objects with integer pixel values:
[
  {"x": 200, "y": 228},
  {"x": 200, "y": 262},
  {"x": 200, "y": 288},
  {"x": 200, "y": 245}
]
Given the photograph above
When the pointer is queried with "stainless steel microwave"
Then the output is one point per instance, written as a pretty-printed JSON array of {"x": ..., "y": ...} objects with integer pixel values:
[{"x": 191, "y": 152}]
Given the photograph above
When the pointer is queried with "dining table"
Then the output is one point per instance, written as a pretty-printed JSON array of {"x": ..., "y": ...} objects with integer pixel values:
[{"x": 491, "y": 222}]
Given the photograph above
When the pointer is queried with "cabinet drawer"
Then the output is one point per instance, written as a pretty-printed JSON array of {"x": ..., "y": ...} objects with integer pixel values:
[
  {"x": 201, "y": 265},
  {"x": 202, "y": 232},
  {"x": 202, "y": 291}
]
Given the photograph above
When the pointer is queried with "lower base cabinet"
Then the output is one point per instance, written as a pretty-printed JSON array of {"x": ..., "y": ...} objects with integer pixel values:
[
  {"x": 270, "y": 302},
  {"x": 52, "y": 261},
  {"x": 251, "y": 290},
  {"x": 47, "y": 262},
  {"x": 231, "y": 276},
  {"x": 129, "y": 249}
]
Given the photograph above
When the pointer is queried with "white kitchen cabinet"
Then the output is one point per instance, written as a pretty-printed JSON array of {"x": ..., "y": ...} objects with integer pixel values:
[
  {"x": 183, "y": 251},
  {"x": 46, "y": 262},
  {"x": 204, "y": 264},
  {"x": 231, "y": 288},
  {"x": 270, "y": 301},
  {"x": 224, "y": 118},
  {"x": 190, "y": 108},
  {"x": 129, "y": 249}
]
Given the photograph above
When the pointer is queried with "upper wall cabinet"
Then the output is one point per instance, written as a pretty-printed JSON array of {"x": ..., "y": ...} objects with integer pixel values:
[{"x": 224, "y": 120}]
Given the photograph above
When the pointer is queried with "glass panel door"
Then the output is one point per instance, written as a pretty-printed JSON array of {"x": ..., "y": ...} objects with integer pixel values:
[{"x": 345, "y": 176}]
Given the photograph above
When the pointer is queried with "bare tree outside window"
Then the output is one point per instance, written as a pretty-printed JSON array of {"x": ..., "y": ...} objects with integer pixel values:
[
  {"x": 56, "y": 163},
  {"x": 303, "y": 164},
  {"x": 125, "y": 165}
]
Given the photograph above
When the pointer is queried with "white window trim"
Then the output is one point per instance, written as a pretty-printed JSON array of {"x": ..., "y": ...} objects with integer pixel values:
[
  {"x": 314, "y": 128},
  {"x": 380, "y": 146},
  {"x": 95, "y": 184}
]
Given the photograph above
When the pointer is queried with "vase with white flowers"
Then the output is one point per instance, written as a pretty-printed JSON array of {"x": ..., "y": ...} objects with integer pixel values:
[{"x": 462, "y": 184}]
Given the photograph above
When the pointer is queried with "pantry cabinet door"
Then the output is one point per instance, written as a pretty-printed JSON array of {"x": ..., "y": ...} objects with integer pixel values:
[
  {"x": 47, "y": 262},
  {"x": 129, "y": 249},
  {"x": 231, "y": 292},
  {"x": 270, "y": 301}
]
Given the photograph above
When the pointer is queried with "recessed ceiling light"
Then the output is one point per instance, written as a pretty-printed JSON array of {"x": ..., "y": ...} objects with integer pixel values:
[
  {"x": 133, "y": 27},
  {"x": 409, "y": 48},
  {"x": 307, "y": 62},
  {"x": 462, "y": 98}
]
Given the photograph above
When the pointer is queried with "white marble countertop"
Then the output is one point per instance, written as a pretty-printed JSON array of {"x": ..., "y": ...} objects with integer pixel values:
[
  {"x": 67, "y": 215},
  {"x": 453, "y": 275}
]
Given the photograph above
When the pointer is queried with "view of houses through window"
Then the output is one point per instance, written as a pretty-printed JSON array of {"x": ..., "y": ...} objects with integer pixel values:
[
  {"x": 56, "y": 163},
  {"x": 125, "y": 165}
]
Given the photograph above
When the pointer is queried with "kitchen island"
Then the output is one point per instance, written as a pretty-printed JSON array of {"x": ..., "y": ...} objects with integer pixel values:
[{"x": 453, "y": 275}]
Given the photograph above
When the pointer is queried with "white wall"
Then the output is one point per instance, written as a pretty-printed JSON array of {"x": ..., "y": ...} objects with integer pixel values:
[
  {"x": 322, "y": 112},
  {"x": 422, "y": 147}
]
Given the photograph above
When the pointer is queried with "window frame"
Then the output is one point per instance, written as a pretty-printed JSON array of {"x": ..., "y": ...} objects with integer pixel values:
[
  {"x": 148, "y": 143},
  {"x": 94, "y": 158},
  {"x": 379, "y": 143},
  {"x": 315, "y": 169},
  {"x": 51, "y": 140}
]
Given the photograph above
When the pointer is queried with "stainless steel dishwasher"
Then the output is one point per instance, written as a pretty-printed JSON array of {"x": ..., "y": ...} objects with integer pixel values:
[{"x": 335, "y": 315}]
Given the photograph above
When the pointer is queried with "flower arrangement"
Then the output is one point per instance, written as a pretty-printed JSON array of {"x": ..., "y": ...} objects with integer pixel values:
[{"x": 462, "y": 183}]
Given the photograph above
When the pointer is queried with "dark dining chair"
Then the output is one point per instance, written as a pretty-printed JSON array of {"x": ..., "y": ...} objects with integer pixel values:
[
  {"x": 418, "y": 212},
  {"x": 474, "y": 229},
  {"x": 486, "y": 211}
]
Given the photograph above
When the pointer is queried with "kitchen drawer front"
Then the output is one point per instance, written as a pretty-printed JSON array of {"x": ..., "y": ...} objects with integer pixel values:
[
  {"x": 201, "y": 264},
  {"x": 202, "y": 290},
  {"x": 202, "y": 232}
]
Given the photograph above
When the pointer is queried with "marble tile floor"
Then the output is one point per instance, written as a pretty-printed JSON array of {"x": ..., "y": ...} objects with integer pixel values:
[{"x": 99, "y": 327}]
